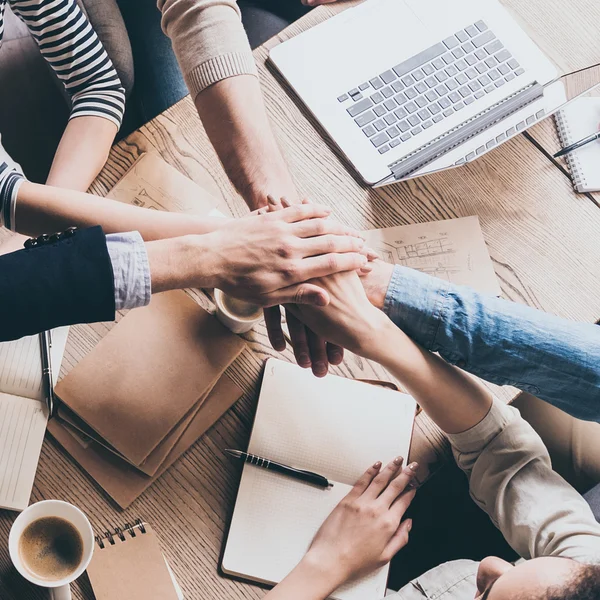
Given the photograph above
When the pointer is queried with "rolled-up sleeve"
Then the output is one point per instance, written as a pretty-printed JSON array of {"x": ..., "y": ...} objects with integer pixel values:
[
  {"x": 209, "y": 40},
  {"x": 511, "y": 479}
]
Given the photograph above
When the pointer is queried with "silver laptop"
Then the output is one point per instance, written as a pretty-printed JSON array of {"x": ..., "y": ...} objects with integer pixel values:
[{"x": 409, "y": 87}]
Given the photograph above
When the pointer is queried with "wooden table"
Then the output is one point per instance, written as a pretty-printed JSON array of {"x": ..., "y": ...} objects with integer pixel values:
[{"x": 541, "y": 235}]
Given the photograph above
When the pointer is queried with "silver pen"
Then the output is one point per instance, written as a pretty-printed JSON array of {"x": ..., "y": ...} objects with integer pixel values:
[{"x": 47, "y": 382}]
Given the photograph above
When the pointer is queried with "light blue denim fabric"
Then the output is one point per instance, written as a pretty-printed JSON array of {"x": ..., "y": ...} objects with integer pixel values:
[{"x": 502, "y": 342}]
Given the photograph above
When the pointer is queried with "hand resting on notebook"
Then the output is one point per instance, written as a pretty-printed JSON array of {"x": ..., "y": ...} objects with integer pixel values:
[{"x": 362, "y": 533}]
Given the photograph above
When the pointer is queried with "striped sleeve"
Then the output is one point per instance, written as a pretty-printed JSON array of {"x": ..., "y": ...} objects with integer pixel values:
[
  {"x": 70, "y": 45},
  {"x": 10, "y": 182}
]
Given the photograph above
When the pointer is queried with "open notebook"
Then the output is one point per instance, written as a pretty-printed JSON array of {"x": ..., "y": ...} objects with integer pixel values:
[
  {"x": 334, "y": 426},
  {"x": 575, "y": 122},
  {"x": 23, "y": 414}
]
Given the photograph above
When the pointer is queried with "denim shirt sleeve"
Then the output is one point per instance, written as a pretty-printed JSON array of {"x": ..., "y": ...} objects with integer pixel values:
[{"x": 503, "y": 342}]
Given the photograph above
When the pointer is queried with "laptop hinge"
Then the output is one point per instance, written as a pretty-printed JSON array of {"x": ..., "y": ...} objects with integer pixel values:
[{"x": 465, "y": 131}]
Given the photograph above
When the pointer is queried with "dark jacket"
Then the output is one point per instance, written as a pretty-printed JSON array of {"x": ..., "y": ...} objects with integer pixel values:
[{"x": 61, "y": 279}]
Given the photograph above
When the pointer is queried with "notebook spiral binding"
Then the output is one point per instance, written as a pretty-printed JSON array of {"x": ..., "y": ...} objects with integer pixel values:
[
  {"x": 118, "y": 532},
  {"x": 564, "y": 134}
]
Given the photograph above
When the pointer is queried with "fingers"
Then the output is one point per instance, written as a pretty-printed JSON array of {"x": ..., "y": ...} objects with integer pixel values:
[
  {"x": 399, "y": 539},
  {"x": 363, "y": 482},
  {"x": 328, "y": 264},
  {"x": 300, "y": 293},
  {"x": 335, "y": 354},
  {"x": 299, "y": 341},
  {"x": 316, "y": 227},
  {"x": 318, "y": 353},
  {"x": 300, "y": 212},
  {"x": 331, "y": 244},
  {"x": 398, "y": 484},
  {"x": 273, "y": 323},
  {"x": 383, "y": 479}
]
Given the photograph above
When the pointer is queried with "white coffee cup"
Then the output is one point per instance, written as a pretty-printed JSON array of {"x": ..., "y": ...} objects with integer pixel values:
[
  {"x": 60, "y": 589},
  {"x": 237, "y": 315}
]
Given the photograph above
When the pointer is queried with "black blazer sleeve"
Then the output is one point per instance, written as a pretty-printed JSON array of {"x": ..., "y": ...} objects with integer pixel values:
[{"x": 57, "y": 282}]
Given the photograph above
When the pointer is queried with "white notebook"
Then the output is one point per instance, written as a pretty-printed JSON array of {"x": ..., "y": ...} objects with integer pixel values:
[
  {"x": 23, "y": 414},
  {"x": 333, "y": 426},
  {"x": 576, "y": 121}
]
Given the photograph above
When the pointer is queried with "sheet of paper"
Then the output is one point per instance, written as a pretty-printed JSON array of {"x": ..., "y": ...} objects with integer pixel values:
[
  {"x": 153, "y": 183},
  {"x": 21, "y": 364},
  {"x": 454, "y": 250},
  {"x": 22, "y": 428}
]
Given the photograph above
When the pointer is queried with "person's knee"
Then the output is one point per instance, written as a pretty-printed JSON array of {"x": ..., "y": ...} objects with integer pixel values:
[{"x": 106, "y": 19}]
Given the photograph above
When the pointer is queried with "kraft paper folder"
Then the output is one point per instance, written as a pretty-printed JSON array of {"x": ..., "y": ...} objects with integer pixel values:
[
  {"x": 146, "y": 392},
  {"x": 334, "y": 426}
]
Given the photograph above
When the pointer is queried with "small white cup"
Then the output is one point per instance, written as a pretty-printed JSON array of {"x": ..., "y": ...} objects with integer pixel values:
[
  {"x": 237, "y": 322},
  {"x": 61, "y": 588}
]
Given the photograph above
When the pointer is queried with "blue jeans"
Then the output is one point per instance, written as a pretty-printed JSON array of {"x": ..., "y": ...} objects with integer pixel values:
[
  {"x": 158, "y": 80},
  {"x": 502, "y": 342}
]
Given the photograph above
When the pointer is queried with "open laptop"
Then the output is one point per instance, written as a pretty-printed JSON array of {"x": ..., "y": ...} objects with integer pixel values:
[{"x": 408, "y": 87}]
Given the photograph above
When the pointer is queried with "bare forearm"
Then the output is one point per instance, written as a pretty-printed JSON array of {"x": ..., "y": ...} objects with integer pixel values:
[
  {"x": 82, "y": 152},
  {"x": 235, "y": 119},
  {"x": 306, "y": 582},
  {"x": 42, "y": 209},
  {"x": 453, "y": 399}
]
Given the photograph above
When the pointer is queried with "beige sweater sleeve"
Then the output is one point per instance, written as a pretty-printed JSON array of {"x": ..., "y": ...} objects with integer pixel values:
[
  {"x": 209, "y": 40},
  {"x": 511, "y": 478}
]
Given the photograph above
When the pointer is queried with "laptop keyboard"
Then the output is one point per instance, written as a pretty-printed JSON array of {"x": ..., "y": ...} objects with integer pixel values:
[{"x": 404, "y": 101}]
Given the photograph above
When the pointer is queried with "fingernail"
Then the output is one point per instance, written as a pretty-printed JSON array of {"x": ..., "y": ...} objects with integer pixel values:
[
  {"x": 304, "y": 360},
  {"x": 377, "y": 465},
  {"x": 398, "y": 461},
  {"x": 413, "y": 466},
  {"x": 410, "y": 523},
  {"x": 320, "y": 369}
]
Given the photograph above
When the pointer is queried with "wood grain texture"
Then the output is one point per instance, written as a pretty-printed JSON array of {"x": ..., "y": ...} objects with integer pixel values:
[{"x": 542, "y": 239}]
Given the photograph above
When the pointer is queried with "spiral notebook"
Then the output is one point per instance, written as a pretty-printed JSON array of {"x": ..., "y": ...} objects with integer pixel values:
[
  {"x": 574, "y": 122},
  {"x": 128, "y": 565},
  {"x": 334, "y": 426}
]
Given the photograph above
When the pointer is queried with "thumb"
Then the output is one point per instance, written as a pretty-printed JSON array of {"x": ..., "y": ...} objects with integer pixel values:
[
  {"x": 399, "y": 539},
  {"x": 301, "y": 293}
]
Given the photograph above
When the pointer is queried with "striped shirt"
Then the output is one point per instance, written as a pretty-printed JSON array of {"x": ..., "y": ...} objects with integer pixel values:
[{"x": 71, "y": 47}]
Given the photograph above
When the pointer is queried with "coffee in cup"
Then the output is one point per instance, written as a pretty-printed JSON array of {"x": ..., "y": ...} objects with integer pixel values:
[{"x": 51, "y": 548}]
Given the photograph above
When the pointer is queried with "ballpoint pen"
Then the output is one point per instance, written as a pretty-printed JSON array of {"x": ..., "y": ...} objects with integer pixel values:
[
  {"x": 47, "y": 383},
  {"x": 579, "y": 144},
  {"x": 271, "y": 465}
]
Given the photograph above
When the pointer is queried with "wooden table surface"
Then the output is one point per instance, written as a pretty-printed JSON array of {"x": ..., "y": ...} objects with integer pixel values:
[{"x": 542, "y": 239}]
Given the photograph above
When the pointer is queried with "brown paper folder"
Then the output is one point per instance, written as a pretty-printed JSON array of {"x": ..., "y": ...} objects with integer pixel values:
[
  {"x": 148, "y": 373},
  {"x": 123, "y": 482}
]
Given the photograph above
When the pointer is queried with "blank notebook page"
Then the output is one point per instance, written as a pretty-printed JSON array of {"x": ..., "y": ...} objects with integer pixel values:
[
  {"x": 22, "y": 428},
  {"x": 334, "y": 426}
]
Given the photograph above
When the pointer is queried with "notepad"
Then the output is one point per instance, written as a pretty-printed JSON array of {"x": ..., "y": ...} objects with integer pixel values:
[
  {"x": 23, "y": 414},
  {"x": 128, "y": 565},
  {"x": 335, "y": 427},
  {"x": 575, "y": 122}
]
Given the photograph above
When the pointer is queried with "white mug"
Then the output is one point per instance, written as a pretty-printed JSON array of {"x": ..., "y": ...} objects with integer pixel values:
[
  {"x": 236, "y": 322},
  {"x": 61, "y": 588}
]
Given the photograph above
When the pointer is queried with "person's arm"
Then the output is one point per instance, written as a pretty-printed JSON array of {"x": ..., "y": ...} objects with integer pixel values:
[
  {"x": 217, "y": 63},
  {"x": 502, "y": 342},
  {"x": 509, "y": 469},
  {"x": 73, "y": 50}
]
